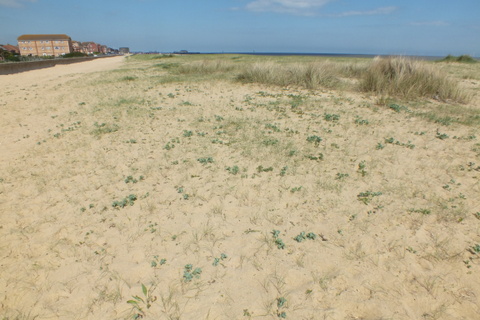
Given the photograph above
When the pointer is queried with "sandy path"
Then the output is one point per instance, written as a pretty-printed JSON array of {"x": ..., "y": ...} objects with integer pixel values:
[
  {"x": 25, "y": 91},
  {"x": 28, "y": 78}
]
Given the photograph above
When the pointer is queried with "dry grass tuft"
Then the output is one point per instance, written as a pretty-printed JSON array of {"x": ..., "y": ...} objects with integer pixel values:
[
  {"x": 310, "y": 76},
  {"x": 408, "y": 78},
  {"x": 206, "y": 67}
]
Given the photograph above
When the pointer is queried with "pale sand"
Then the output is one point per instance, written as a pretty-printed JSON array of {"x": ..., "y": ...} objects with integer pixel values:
[{"x": 66, "y": 253}]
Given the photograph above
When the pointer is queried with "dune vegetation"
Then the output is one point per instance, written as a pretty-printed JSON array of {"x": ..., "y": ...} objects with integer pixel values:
[{"x": 241, "y": 187}]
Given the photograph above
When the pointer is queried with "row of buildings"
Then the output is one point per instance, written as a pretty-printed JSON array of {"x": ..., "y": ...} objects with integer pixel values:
[{"x": 59, "y": 45}]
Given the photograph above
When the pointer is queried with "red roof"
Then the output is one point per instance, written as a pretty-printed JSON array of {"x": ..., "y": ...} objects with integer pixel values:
[{"x": 44, "y": 37}]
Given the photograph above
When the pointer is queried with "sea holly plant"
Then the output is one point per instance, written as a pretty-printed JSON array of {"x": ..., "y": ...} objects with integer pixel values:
[
  {"x": 205, "y": 161},
  {"x": 367, "y": 196},
  {"x": 189, "y": 273},
  {"x": 315, "y": 140},
  {"x": 156, "y": 262},
  {"x": 279, "y": 242},
  {"x": 129, "y": 200},
  {"x": 303, "y": 236},
  {"x": 281, "y": 305},
  {"x": 216, "y": 261}
]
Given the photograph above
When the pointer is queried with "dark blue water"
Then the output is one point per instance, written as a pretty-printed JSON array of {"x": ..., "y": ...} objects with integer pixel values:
[{"x": 345, "y": 55}]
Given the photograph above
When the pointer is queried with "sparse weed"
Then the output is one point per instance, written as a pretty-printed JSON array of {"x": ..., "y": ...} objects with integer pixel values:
[
  {"x": 133, "y": 180},
  {"x": 233, "y": 170},
  {"x": 129, "y": 200},
  {"x": 315, "y": 140},
  {"x": 139, "y": 304},
  {"x": 361, "y": 168},
  {"x": 279, "y": 242},
  {"x": 408, "y": 145},
  {"x": 189, "y": 273},
  {"x": 262, "y": 169},
  {"x": 205, "y": 161},
  {"x": 367, "y": 196},
  {"x": 331, "y": 117},
  {"x": 422, "y": 211},
  {"x": 157, "y": 262}
]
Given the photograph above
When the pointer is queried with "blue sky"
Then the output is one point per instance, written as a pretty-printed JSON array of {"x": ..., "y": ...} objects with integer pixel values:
[{"x": 412, "y": 27}]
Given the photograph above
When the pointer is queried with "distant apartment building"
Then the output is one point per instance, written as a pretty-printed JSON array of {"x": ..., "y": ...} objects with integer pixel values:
[
  {"x": 44, "y": 44},
  {"x": 124, "y": 50}
]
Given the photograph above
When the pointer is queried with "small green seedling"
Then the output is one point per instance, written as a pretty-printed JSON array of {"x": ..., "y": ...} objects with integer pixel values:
[
  {"x": 367, "y": 196},
  {"x": 315, "y": 140},
  {"x": 216, "y": 261},
  {"x": 233, "y": 170},
  {"x": 129, "y": 200},
  {"x": 156, "y": 262},
  {"x": 204, "y": 161},
  {"x": 279, "y": 242},
  {"x": 139, "y": 303}
]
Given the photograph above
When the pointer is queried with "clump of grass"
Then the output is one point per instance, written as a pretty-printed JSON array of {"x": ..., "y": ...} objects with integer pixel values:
[
  {"x": 310, "y": 76},
  {"x": 463, "y": 59},
  {"x": 103, "y": 128},
  {"x": 408, "y": 78},
  {"x": 206, "y": 67}
]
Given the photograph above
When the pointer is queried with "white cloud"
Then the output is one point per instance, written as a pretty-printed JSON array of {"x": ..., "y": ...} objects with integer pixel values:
[
  {"x": 383, "y": 10},
  {"x": 430, "y": 23},
  {"x": 308, "y": 8},
  {"x": 300, "y": 7},
  {"x": 14, "y": 3}
]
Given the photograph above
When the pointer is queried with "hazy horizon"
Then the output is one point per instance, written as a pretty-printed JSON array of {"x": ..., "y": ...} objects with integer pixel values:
[{"x": 424, "y": 28}]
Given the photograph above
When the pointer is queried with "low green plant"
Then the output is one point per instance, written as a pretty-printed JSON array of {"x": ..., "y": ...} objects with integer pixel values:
[
  {"x": 367, "y": 196},
  {"x": 475, "y": 249},
  {"x": 341, "y": 176},
  {"x": 391, "y": 140},
  {"x": 422, "y": 211},
  {"x": 189, "y": 273},
  {"x": 216, "y": 261},
  {"x": 441, "y": 136},
  {"x": 133, "y": 180},
  {"x": 104, "y": 128},
  {"x": 233, "y": 170},
  {"x": 205, "y": 161},
  {"x": 397, "y": 108},
  {"x": 283, "y": 171},
  {"x": 157, "y": 262},
  {"x": 276, "y": 237},
  {"x": 270, "y": 142},
  {"x": 303, "y": 236},
  {"x": 295, "y": 189},
  {"x": 187, "y": 133},
  {"x": 128, "y": 78},
  {"x": 361, "y": 168},
  {"x": 272, "y": 128},
  {"x": 331, "y": 117},
  {"x": 262, "y": 169},
  {"x": 319, "y": 157},
  {"x": 281, "y": 303},
  {"x": 315, "y": 140},
  {"x": 129, "y": 200},
  {"x": 139, "y": 304},
  {"x": 360, "y": 121},
  {"x": 462, "y": 59}
]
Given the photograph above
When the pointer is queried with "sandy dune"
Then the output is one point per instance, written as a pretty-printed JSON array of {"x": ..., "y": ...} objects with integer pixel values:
[{"x": 113, "y": 178}]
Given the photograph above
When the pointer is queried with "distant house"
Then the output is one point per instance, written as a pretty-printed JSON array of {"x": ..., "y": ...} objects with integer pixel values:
[
  {"x": 10, "y": 48},
  {"x": 90, "y": 47},
  {"x": 44, "y": 44},
  {"x": 124, "y": 50}
]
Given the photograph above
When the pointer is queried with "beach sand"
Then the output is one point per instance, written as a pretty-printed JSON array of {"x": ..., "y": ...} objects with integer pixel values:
[{"x": 111, "y": 178}]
